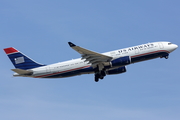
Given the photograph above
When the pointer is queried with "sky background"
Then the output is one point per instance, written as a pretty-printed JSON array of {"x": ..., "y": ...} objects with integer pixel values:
[{"x": 41, "y": 29}]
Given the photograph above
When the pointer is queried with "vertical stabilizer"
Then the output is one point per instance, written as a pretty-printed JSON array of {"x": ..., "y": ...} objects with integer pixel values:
[{"x": 20, "y": 60}]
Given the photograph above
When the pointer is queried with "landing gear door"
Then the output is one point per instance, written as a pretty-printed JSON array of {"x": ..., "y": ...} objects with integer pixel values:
[{"x": 161, "y": 46}]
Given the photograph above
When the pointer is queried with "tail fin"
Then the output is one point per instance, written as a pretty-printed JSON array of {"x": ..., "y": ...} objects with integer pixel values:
[{"x": 20, "y": 60}]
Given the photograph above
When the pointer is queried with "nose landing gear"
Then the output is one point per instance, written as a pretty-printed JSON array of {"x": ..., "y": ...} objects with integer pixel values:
[{"x": 166, "y": 56}]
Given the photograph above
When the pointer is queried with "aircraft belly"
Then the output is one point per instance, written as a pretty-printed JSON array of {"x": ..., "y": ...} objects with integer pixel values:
[
  {"x": 140, "y": 58},
  {"x": 70, "y": 73}
]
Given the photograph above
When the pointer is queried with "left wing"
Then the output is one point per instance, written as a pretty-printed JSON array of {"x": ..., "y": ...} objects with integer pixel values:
[{"x": 93, "y": 57}]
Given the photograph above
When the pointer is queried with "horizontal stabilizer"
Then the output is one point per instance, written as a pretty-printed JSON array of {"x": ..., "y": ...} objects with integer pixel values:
[{"x": 22, "y": 72}]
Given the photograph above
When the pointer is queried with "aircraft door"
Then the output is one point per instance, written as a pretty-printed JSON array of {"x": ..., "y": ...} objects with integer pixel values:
[
  {"x": 48, "y": 69},
  {"x": 113, "y": 54},
  {"x": 161, "y": 46},
  {"x": 137, "y": 51}
]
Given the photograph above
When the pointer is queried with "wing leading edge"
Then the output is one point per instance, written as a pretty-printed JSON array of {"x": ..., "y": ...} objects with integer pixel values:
[{"x": 92, "y": 57}]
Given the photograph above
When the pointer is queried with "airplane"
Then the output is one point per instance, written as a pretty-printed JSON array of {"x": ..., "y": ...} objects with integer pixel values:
[{"x": 101, "y": 64}]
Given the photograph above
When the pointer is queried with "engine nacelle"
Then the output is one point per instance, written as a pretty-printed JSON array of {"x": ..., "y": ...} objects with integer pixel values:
[
  {"x": 116, "y": 71},
  {"x": 122, "y": 61}
]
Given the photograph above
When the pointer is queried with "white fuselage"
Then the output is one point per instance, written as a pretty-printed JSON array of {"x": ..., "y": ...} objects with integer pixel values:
[{"x": 79, "y": 66}]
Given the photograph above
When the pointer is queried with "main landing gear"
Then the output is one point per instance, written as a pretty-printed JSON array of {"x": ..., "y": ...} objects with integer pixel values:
[{"x": 99, "y": 75}]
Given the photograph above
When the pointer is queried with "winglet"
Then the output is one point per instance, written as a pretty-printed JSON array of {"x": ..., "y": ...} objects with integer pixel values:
[{"x": 71, "y": 44}]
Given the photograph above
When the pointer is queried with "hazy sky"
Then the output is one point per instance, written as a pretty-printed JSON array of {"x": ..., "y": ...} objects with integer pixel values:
[{"x": 41, "y": 29}]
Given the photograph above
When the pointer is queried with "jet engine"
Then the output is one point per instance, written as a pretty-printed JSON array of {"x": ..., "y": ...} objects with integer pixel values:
[
  {"x": 122, "y": 61},
  {"x": 116, "y": 71}
]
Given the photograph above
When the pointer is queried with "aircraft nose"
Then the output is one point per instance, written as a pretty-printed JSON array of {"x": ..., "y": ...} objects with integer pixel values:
[{"x": 175, "y": 46}]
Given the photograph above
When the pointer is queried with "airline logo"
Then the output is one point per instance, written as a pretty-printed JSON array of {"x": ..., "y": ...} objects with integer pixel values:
[{"x": 19, "y": 60}]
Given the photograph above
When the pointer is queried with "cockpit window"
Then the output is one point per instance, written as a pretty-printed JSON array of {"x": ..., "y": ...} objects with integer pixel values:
[{"x": 169, "y": 43}]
